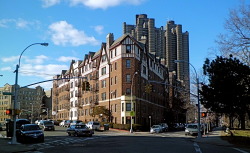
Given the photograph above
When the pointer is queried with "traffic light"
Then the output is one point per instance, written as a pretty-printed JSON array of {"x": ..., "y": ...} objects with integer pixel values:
[
  {"x": 203, "y": 114},
  {"x": 8, "y": 111},
  {"x": 87, "y": 86}
]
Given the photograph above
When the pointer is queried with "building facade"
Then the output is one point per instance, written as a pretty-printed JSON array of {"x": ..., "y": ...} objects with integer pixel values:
[
  {"x": 5, "y": 101},
  {"x": 118, "y": 75},
  {"x": 169, "y": 44},
  {"x": 29, "y": 102}
]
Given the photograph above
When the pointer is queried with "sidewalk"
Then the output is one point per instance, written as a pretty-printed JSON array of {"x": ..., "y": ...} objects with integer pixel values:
[{"x": 213, "y": 137}]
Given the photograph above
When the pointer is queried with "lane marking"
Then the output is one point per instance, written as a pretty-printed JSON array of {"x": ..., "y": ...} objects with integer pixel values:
[
  {"x": 197, "y": 148},
  {"x": 242, "y": 151}
]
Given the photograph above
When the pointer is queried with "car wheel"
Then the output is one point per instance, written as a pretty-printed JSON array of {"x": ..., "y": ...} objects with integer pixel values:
[
  {"x": 90, "y": 135},
  {"x": 69, "y": 134}
]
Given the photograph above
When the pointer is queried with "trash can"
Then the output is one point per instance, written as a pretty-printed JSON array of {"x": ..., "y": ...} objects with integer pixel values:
[{"x": 106, "y": 127}]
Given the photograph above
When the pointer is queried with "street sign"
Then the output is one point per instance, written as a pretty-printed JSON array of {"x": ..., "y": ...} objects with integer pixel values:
[{"x": 7, "y": 93}]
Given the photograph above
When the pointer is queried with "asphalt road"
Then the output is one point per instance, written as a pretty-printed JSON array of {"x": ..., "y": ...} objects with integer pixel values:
[{"x": 124, "y": 142}]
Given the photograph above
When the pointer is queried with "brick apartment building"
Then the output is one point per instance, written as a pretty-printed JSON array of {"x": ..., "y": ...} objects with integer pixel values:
[
  {"x": 140, "y": 62},
  {"x": 119, "y": 66}
]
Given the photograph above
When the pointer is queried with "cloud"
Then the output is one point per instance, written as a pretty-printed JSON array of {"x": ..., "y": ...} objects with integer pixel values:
[
  {"x": 6, "y": 68},
  {"x": 10, "y": 59},
  {"x": 66, "y": 59},
  {"x": 44, "y": 71},
  {"x": 99, "y": 29},
  {"x": 104, "y": 4},
  {"x": 64, "y": 34},
  {"x": 94, "y": 4},
  {"x": 49, "y": 3},
  {"x": 19, "y": 23},
  {"x": 37, "y": 60}
]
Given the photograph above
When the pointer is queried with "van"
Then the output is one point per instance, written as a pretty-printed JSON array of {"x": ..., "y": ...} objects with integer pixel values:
[{"x": 94, "y": 125}]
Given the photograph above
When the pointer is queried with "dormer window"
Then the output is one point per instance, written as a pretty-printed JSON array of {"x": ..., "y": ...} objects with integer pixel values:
[
  {"x": 104, "y": 58},
  {"x": 128, "y": 48}
]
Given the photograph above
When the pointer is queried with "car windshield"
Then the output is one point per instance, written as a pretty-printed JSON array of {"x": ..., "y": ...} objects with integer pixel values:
[
  {"x": 31, "y": 127},
  {"x": 96, "y": 123},
  {"x": 192, "y": 126}
]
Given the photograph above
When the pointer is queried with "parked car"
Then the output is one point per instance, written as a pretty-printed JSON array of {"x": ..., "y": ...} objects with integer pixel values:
[
  {"x": 74, "y": 122},
  {"x": 192, "y": 129},
  {"x": 1, "y": 127},
  {"x": 79, "y": 130},
  {"x": 47, "y": 125},
  {"x": 156, "y": 129},
  {"x": 62, "y": 123},
  {"x": 164, "y": 127},
  {"x": 56, "y": 122},
  {"x": 67, "y": 123},
  {"x": 94, "y": 125},
  {"x": 30, "y": 133},
  {"x": 20, "y": 122}
]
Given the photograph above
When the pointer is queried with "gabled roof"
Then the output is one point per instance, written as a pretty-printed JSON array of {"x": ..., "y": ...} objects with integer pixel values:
[{"x": 120, "y": 39}]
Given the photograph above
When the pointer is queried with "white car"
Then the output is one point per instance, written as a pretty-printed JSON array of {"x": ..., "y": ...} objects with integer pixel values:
[{"x": 94, "y": 125}]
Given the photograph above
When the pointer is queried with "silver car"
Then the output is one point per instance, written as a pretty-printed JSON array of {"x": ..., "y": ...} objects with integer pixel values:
[
  {"x": 156, "y": 129},
  {"x": 191, "y": 129}
]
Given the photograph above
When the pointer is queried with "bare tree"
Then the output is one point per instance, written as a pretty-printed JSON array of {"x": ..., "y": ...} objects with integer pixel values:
[{"x": 237, "y": 39}]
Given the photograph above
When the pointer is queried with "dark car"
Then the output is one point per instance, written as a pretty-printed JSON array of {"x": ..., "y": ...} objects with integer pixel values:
[
  {"x": 47, "y": 125},
  {"x": 20, "y": 122},
  {"x": 79, "y": 130},
  {"x": 164, "y": 127},
  {"x": 30, "y": 133}
]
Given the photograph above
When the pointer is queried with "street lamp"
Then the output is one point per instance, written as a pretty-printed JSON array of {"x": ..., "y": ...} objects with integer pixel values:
[
  {"x": 32, "y": 112},
  {"x": 198, "y": 95},
  {"x": 13, "y": 141},
  {"x": 132, "y": 108}
]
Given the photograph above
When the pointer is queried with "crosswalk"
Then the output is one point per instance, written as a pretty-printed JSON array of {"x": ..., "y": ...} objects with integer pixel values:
[{"x": 51, "y": 144}]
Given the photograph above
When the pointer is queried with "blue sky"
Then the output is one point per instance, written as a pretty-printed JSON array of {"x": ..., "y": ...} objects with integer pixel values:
[{"x": 74, "y": 27}]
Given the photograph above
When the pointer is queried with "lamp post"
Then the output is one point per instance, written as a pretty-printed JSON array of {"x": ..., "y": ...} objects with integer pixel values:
[
  {"x": 198, "y": 95},
  {"x": 132, "y": 107},
  {"x": 13, "y": 141},
  {"x": 32, "y": 112}
]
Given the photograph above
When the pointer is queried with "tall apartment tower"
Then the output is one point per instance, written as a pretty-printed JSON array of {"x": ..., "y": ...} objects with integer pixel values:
[{"x": 168, "y": 44}]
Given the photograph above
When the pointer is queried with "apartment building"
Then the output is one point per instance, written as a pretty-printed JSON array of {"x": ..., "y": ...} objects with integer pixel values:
[
  {"x": 118, "y": 74},
  {"x": 169, "y": 44},
  {"x": 29, "y": 101},
  {"x": 5, "y": 101}
]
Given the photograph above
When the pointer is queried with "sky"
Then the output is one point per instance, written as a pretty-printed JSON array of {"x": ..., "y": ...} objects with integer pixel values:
[{"x": 74, "y": 27}]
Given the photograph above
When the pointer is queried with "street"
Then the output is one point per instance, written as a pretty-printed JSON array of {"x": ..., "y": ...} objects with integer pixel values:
[{"x": 115, "y": 141}]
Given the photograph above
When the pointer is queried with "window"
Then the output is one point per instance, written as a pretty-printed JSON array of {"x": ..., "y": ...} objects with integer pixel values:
[
  {"x": 128, "y": 106},
  {"x": 111, "y": 81},
  {"x": 123, "y": 107},
  {"x": 128, "y": 63},
  {"x": 104, "y": 96},
  {"x": 115, "y": 66},
  {"x": 115, "y": 52},
  {"x": 128, "y": 78},
  {"x": 103, "y": 83},
  {"x": 111, "y": 54},
  {"x": 111, "y": 67},
  {"x": 115, "y": 79},
  {"x": 144, "y": 70},
  {"x": 128, "y": 48},
  {"x": 104, "y": 58},
  {"x": 115, "y": 107},
  {"x": 128, "y": 91},
  {"x": 103, "y": 70}
]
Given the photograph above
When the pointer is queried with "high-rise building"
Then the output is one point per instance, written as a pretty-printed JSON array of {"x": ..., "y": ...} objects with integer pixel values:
[{"x": 168, "y": 44}]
